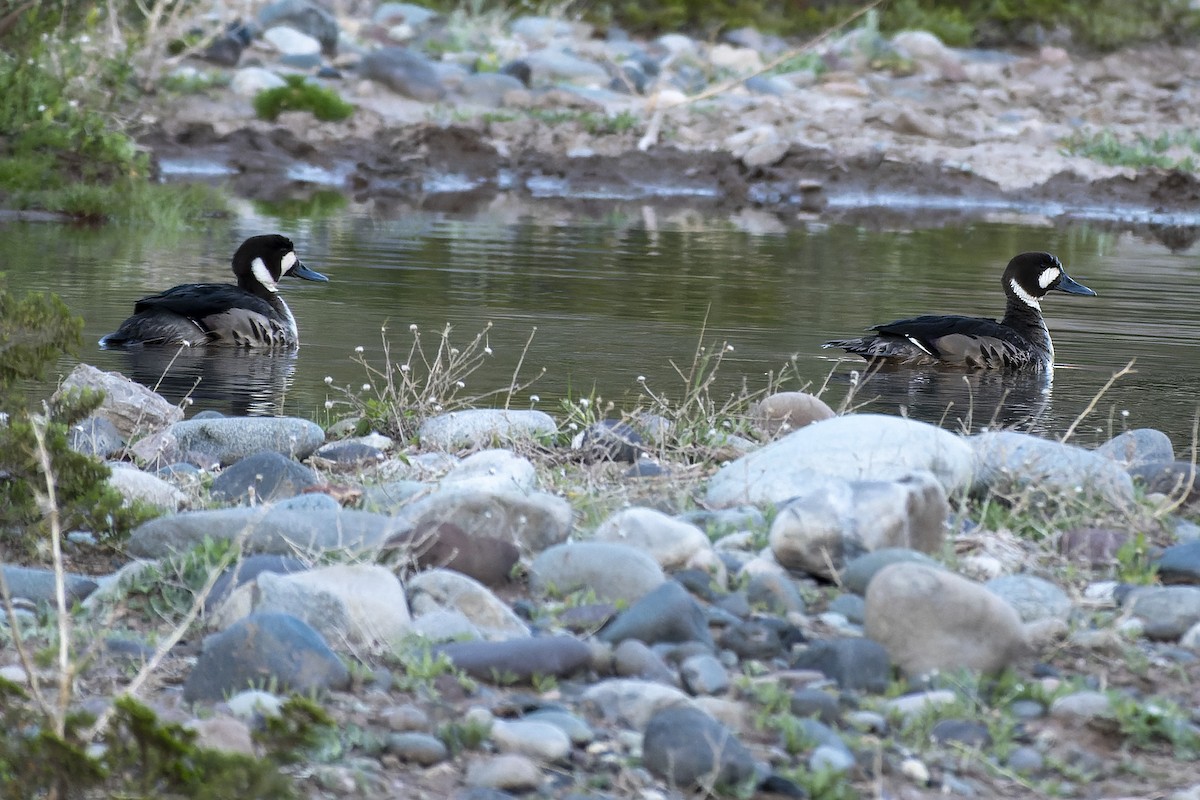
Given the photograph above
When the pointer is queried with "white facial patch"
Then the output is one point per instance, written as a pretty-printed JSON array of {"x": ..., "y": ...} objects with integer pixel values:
[
  {"x": 1025, "y": 296},
  {"x": 1048, "y": 277},
  {"x": 263, "y": 274},
  {"x": 287, "y": 262}
]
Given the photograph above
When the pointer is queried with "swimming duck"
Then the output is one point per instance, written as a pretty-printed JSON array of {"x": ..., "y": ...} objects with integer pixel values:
[
  {"x": 250, "y": 314},
  {"x": 1019, "y": 341}
]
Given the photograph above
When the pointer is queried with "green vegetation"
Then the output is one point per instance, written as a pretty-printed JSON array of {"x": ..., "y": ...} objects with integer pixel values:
[
  {"x": 300, "y": 95},
  {"x": 1167, "y": 151},
  {"x": 34, "y": 456},
  {"x": 66, "y": 116}
]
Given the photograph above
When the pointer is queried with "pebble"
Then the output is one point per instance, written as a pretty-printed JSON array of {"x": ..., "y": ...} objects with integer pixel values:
[
  {"x": 629, "y": 702},
  {"x": 506, "y": 771},
  {"x": 1012, "y": 463},
  {"x": 858, "y": 664},
  {"x": 447, "y": 590},
  {"x": 262, "y": 478},
  {"x": 1034, "y": 598},
  {"x": 704, "y": 674},
  {"x": 666, "y": 614},
  {"x": 688, "y": 748},
  {"x": 482, "y": 427},
  {"x": 519, "y": 660},
  {"x": 673, "y": 543},
  {"x": 613, "y": 571},
  {"x": 1166, "y": 612},
  {"x": 419, "y": 748},
  {"x": 228, "y": 440},
  {"x": 1179, "y": 564},
  {"x": 1137, "y": 447},
  {"x": 538, "y": 740}
]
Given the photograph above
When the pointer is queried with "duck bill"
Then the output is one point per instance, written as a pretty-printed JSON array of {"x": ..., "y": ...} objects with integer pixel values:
[
  {"x": 1071, "y": 286},
  {"x": 298, "y": 270}
]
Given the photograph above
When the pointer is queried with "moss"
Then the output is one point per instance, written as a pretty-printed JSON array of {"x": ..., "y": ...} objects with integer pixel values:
[{"x": 300, "y": 95}]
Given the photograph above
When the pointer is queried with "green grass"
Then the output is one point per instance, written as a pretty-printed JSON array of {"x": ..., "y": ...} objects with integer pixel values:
[
  {"x": 1167, "y": 151},
  {"x": 299, "y": 95}
]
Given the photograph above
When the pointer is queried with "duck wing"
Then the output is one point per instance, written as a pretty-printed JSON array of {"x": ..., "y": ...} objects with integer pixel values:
[
  {"x": 964, "y": 341},
  {"x": 199, "y": 301}
]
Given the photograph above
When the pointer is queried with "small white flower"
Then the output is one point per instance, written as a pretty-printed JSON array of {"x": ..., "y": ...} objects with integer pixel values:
[
  {"x": 41, "y": 107},
  {"x": 487, "y": 350},
  {"x": 437, "y": 406},
  {"x": 1124, "y": 412},
  {"x": 84, "y": 38},
  {"x": 413, "y": 327},
  {"x": 187, "y": 401},
  {"x": 328, "y": 380},
  {"x": 641, "y": 378},
  {"x": 404, "y": 367},
  {"x": 460, "y": 384},
  {"x": 453, "y": 351},
  {"x": 533, "y": 398},
  {"x": 584, "y": 402},
  {"x": 328, "y": 404},
  {"x": 73, "y": 103},
  {"x": 366, "y": 387},
  {"x": 728, "y": 348},
  {"x": 358, "y": 349},
  {"x": 573, "y": 426}
]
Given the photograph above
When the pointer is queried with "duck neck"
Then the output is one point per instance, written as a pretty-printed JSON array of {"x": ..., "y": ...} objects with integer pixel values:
[{"x": 1027, "y": 320}]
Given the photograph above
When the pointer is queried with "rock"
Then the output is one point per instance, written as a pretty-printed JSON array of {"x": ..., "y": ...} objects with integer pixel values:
[
  {"x": 224, "y": 734},
  {"x": 928, "y": 619},
  {"x": 840, "y": 520},
  {"x": 916, "y": 704},
  {"x": 666, "y": 614},
  {"x": 923, "y": 46},
  {"x": 609, "y": 440},
  {"x": 96, "y": 436},
  {"x": 1079, "y": 706},
  {"x": 488, "y": 88},
  {"x": 1176, "y": 479},
  {"x": 688, "y": 749},
  {"x": 312, "y": 501},
  {"x": 1137, "y": 447},
  {"x": 671, "y": 542},
  {"x": 508, "y": 771},
  {"x": 850, "y": 606},
  {"x": 264, "y": 648},
  {"x": 1179, "y": 563},
  {"x": 1166, "y": 612},
  {"x": 857, "y": 575},
  {"x": 484, "y": 427},
  {"x": 363, "y": 605},
  {"x": 541, "y": 29},
  {"x": 632, "y": 659},
  {"x": 1095, "y": 547},
  {"x": 254, "y": 704},
  {"x": 704, "y": 674},
  {"x": 38, "y": 585},
  {"x": 290, "y": 42},
  {"x": 629, "y": 702},
  {"x": 229, "y": 439},
  {"x": 855, "y": 664},
  {"x": 415, "y": 16},
  {"x": 443, "y": 589},
  {"x": 578, "y": 731},
  {"x": 519, "y": 660},
  {"x": 132, "y": 408},
  {"x": 771, "y": 586},
  {"x": 265, "y": 530},
  {"x": 968, "y": 732},
  {"x": 855, "y": 447},
  {"x": 613, "y": 571},
  {"x": 262, "y": 477},
  {"x": 246, "y": 571},
  {"x": 484, "y": 558},
  {"x": 738, "y": 59},
  {"x": 249, "y": 81},
  {"x": 540, "y": 741},
  {"x": 1034, "y": 598},
  {"x": 531, "y": 520},
  {"x": 347, "y": 455},
  {"x": 135, "y": 485},
  {"x": 304, "y": 16},
  {"x": 551, "y": 66},
  {"x": 492, "y": 471},
  {"x": 1012, "y": 463},
  {"x": 417, "y": 748},
  {"x": 784, "y": 412},
  {"x": 753, "y": 639}
]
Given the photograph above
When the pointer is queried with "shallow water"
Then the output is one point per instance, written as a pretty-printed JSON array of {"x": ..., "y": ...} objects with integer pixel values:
[{"x": 630, "y": 292}]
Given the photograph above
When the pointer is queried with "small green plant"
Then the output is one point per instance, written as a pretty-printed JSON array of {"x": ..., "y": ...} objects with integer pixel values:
[
  {"x": 168, "y": 589},
  {"x": 1147, "y": 721},
  {"x": 1134, "y": 562},
  {"x": 469, "y": 734},
  {"x": 299, "y": 95},
  {"x": 1166, "y": 151}
]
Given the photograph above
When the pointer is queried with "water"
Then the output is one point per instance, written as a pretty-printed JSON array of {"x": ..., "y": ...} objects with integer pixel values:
[{"x": 629, "y": 293}]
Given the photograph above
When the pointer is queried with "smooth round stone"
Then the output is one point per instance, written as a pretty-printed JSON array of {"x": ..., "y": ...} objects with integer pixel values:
[
  {"x": 231, "y": 439},
  {"x": 632, "y": 659},
  {"x": 1027, "y": 709},
  {"x": 830, "y": 759},
  {"x": 859, "y": 664},
  {"x": 667, "y": 614},
  {"x": 609, "y": 440},
  {"x": 858, "y": 572},
  {"x": 963, "y": 731},
  {"x": 752, "y": 640},
  {"x": 850, "y": 606},
  {"x": 262, "y": 477},
  {"x": 254, "y": 703},
  {"x": 310, "y": 501},
  {"x": 687, "y": 747},
  {"x": 519, "y": 659},
  {"x": 508, "y": 771},
  {"x": 247, "y": 570},
  {"x": 1176, "y": 479},
  {"x": 613, "y": 571},
  {"x": 419, "y": 748},
  {"x": 784, "y": 412},
  {"x": 541, "y": 741},
  {"x": 1180, "y": 563},
  {"x": 578, "y": 731},
  {"x": 1081, "y": 706},
  {"x": 1139, "y": 446},
  {"x": 402, "y": 719},
  {"x": 817, "y": 704},
  {"x": 704, "y": 674},
  {"x": 671, "y": 542},
  {"x": 1166, "y": 612},
  {"x": 1025, "y": 760},
  {"x": 1034, "y": 598}
]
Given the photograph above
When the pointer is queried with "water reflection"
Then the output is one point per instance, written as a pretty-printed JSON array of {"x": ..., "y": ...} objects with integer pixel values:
[
  {"x": 966, "y": 401},
  {"x": 230, "y": 380}
]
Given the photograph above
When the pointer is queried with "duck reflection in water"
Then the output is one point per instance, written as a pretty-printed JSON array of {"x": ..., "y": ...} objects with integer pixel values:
[
  {"x": 965, "y": 401},
  {"x": 232, "y": 380}
]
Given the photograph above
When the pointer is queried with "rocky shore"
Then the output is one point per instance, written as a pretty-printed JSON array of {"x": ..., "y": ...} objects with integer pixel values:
[
  {"x": 486, "y": 614},
  {"x": 453, "y": 110}
]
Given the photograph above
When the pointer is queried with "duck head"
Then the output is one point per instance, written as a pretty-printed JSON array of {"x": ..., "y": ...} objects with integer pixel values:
[
  {"x": 262, "y": 260},
  {"x": 1031, "y": 276}
]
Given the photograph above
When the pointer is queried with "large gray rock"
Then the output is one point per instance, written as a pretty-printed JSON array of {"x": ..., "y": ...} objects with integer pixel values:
[
  {"x": 266, "y": 530},
  {"x": 227, "y": 440},
  {"x": 135, "y": 485},
  {"x": 612, "y": 571},
  {"x": 39, "y": 585},
  {"x": 673, "y": 543},
  {"x": 630, "y": 702},
  {"x": 492, "y": 470},
  {"x": 1034, "y": 598},
  {"x": 551, "y": 65},
  {"x": 688, "y": 749},
  {"x": 854, "y": 447},
  {"x": 359, "y": 605},
  {"x": 96, "y": 436},
  {"x": 840, "y": 520},
  {"x": 264, "y": 649},
  {"x": 929, "y": 619},
  {"x": 1166, "y": 612},
  {"x": 519, "y": 659},
  {"x": 485, "y": 427},
  {"x": 262, "y": 477},
  {"x": 1139, "y": 446},
  {"x": 443, "y": 589},
  {"x": 131, "y": 407},
  {"x": 1012, "y": 464},
  {"x": 531, "y": 520},
  {"x": 667, "y": 614},
  {"x": 305, "y": 16},
  {"x": 405, "y": 72}
]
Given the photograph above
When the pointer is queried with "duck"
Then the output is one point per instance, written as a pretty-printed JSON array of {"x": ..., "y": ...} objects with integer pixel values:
[
  {"x": 250, "y": 314},
  {"x": 1019, "y": 341}
]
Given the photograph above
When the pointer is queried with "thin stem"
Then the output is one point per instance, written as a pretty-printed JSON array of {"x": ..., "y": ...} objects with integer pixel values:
[{"x": 1116, "y": 376}]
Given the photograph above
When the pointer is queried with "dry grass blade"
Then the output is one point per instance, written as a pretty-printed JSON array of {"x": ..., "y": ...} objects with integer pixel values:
[{"x": 1091, "y": 406}]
